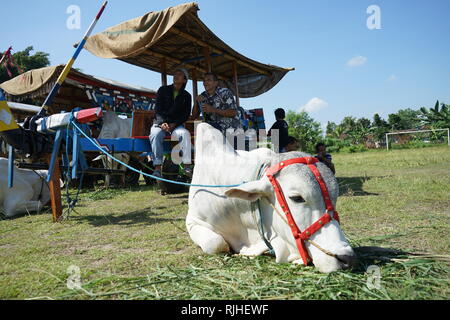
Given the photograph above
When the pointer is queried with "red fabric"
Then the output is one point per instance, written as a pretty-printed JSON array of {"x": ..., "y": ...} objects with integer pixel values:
[
  {"x": 323, "y": 188},
  {"x": 8, "y": 59},
  {"x": 88, "y": 115},
  {"x": 315, "y": 226}
]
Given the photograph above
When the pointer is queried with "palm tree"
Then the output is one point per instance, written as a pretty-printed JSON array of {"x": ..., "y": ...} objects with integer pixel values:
[{"x": 436, "y": 117}]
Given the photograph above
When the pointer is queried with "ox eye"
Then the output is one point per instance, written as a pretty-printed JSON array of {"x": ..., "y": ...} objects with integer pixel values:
[{"x": 298, "y": 199}]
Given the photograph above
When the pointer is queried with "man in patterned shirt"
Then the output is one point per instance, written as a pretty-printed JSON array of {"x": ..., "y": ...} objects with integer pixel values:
[{"x": 218, "y": 105}]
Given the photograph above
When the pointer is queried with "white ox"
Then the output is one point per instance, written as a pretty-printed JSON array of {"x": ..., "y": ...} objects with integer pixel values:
[
  {"x": 29, "y": 192},
  {"x": 220, "y": 219}
]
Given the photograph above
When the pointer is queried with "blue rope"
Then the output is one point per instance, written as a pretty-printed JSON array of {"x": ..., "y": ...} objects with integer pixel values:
[
  {"x": 261, "y": 224},
  {"x": 146, "y": 174}
]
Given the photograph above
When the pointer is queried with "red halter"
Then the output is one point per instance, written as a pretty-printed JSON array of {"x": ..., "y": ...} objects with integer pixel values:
[{"x": 301, "y": 237}]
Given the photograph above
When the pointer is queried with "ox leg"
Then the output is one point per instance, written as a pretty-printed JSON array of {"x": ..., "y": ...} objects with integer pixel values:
[{"x": 210, "y": 241}]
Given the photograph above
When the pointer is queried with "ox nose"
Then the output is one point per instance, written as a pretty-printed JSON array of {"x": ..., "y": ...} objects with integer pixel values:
[{"x": 348, "y": 261}]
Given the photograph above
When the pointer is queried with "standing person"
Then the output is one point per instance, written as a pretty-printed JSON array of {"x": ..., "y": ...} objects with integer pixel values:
[
  {"x": 217, "y": 104},
  {"x": 324, "y": 157},
  {"x": 173, "y": 107},
  {"x": 282, "y": 128}
]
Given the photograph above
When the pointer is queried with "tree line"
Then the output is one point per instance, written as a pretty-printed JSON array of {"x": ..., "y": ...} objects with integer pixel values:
[
  {"x": 26, "y": 61},
  {"x": 350, "y": 134},
  {"x": 358, "y": 134}
]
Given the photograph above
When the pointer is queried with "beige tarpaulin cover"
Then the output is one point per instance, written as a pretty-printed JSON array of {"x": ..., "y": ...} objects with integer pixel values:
[
  {"x": 39, "y": 82},
  {"x": 176, "y": 37},
  {"x": 35, "y": 82}
]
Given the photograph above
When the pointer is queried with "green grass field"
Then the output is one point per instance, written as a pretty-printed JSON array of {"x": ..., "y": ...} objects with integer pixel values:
[{"x": 132, "y": 244}]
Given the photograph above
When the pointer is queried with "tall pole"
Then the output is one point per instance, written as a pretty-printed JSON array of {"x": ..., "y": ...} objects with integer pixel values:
[
  {"x": 235, "y": 80},
  {"x": 62, "y": 77},
  {"x": 163, "y": 72},
  {"x": 207, "y": 54},
  {"x": 194, "y": 84}
]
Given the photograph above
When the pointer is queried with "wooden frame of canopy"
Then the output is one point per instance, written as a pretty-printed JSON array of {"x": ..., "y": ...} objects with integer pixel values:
[{"x": 175, "y": 38}]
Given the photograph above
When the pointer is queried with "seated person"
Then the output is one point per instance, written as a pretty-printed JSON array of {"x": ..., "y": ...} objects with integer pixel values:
[
  {"x": 324, "y": 157},
  {"x": 218, "y": 105},
  {"x": 292, "y": 144},
  {"x": 173, "y": 106}
]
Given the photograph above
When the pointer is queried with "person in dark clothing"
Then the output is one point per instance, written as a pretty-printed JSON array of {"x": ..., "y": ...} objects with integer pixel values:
[
  {"x": 173, "y": 107},
  {"x": 282, "y": 128},
  {"x": 324, "y": 157}
]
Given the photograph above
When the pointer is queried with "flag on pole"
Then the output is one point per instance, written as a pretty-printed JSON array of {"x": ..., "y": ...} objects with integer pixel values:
[{"x": 8, "y": 59}]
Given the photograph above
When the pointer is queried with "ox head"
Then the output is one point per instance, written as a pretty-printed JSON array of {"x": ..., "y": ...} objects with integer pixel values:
[{"x": 306, "y": 203}]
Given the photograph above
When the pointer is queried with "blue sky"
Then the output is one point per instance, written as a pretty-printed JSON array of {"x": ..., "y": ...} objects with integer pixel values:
[{"x": 404, "y": 64}]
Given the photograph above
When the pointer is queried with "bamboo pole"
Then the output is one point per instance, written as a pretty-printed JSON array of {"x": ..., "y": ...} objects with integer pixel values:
[
  {"x": 235, "y": 82},
  {"x": 210, "y": 48},
  {"x": 55, "y": 191},
  {"x": 62, "y": 77},
  {"x": 194, "y": 84},
  {"x": 207, "y": 54},
  {"x": 163, "y": 72},
  {"x": 179, "y": 62}
]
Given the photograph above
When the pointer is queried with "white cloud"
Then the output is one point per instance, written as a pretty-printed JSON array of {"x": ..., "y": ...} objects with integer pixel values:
[
  {"x": 392, "y": 77},
  {"x": 356, "y": 61},
  {"x": 314, "y": 104}
]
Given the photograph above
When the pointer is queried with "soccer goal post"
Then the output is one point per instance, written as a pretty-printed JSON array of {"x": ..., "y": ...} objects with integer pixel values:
[{"x": 416, "y": 131}]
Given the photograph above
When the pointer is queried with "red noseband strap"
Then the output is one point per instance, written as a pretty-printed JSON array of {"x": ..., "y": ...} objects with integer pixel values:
[{"x": 301, "y": 237}]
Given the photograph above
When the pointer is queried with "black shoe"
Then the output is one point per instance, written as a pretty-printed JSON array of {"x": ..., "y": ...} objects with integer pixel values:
[{"x": 188, "y": 171}]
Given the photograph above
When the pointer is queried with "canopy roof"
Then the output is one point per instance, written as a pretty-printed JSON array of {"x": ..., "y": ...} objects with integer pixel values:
[
  {"x": 38, "y": 82},
  {"x": 34, "y": 86},
  {"x": 175, "y": 37}
]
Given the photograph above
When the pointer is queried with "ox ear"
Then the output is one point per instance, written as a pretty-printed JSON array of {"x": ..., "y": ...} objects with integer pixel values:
[{"x": 250, "y": 191}]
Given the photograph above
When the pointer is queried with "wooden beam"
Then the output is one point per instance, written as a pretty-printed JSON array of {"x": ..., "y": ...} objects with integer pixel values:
[
  {"x": 207, "y": 56},
  {"x": 213, "y": 49},
  {"x": 194, "y": 85},
  {"x": 235, "y": 82},
  {"x": 163, "y": 72},
  {"x": 179, "y": 62},
  {"x": 55, "y": 191}
]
